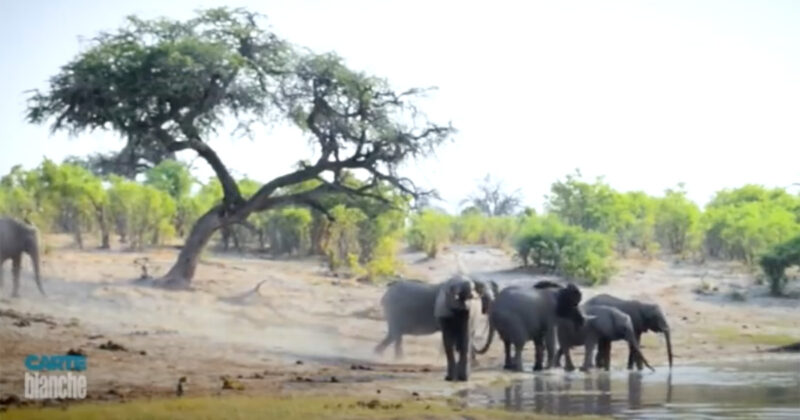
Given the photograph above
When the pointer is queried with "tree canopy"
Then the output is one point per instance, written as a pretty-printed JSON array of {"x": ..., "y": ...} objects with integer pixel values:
[{"x": 167, "y": 86}]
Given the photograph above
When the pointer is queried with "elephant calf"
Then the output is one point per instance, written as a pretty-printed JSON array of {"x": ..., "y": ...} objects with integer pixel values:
[
  {"x": 602, "y": 324},
  {"x": 644, "y": 317},
  {"x": 408, "y": 306},
  {"x": 17, "y": 238}
]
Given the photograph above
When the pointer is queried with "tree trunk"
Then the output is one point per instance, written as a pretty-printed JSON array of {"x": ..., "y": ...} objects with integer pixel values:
[
  {"x": 226, "y": 238},
  {"x": 182, "y": 272},
  {"x": 104, "y": 231}
]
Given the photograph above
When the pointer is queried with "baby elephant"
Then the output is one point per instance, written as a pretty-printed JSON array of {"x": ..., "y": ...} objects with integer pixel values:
[
  {"x": 602, "y": 324},
  {"x": 408, "y": 306}
]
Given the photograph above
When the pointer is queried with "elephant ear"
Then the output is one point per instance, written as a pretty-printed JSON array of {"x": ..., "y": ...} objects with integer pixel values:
[
  {"x": 446, "y": 299},
  {"x": 567, "y": 301}
]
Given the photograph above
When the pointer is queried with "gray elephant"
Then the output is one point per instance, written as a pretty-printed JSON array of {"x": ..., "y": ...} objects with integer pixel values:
[
  {"x": 17, "y": 238},
  {"x": 408, "y": 306},
  {"x": 601, "y": 324},
  {"x": 521, "y": 314},
  {"x": 456, "y": 307},
  {"x": 644, "y": 317}
]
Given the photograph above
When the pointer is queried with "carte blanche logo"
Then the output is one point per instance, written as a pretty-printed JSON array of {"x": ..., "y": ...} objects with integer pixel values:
[{"x": 41, "y": 384}]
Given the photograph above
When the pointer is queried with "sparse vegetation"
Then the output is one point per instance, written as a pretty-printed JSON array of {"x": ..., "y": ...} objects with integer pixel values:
[
  {"x": 777, "y": 260},
  {"x": 327, "y": 407}
]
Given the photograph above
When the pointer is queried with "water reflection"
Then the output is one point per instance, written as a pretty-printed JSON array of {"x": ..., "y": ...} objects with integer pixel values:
[
  {"x": 572, "y": 394},
  {"x": 753, "y": 391}
]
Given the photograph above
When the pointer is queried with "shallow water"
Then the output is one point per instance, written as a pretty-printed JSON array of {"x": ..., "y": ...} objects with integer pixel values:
[{"x": 757, "y": 388}]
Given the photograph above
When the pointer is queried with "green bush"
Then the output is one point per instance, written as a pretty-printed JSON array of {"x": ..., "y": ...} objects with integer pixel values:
[
  {"x": 745, "y": 222},
  {"x": 548, "y": 243},
  {"x": 430, "y": 230},
  {"x": 777, "y": 260},
  {"x": 343, "y": 247},
  {"x": 677, "y": 223},
  {"x": 288, "y": 230}
]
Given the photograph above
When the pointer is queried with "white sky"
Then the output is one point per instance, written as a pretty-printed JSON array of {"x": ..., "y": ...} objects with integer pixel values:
[{"x": 648, "y": 94}]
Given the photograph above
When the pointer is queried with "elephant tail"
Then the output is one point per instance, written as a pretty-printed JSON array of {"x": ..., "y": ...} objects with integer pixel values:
[{"x": 489, "y": 339}]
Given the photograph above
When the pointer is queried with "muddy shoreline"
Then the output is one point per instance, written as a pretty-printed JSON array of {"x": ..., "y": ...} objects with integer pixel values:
[{"x": 308, "y": 333}]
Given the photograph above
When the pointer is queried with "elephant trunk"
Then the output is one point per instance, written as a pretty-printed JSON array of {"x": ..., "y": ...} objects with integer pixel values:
[
  {"x": 485, "y": 348},
  {"x": 669, "y": 347},
  {"x": 34, "y": 254}
]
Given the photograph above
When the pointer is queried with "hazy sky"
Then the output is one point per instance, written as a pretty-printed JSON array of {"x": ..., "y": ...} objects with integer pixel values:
[{"x": 648, "y": 94}]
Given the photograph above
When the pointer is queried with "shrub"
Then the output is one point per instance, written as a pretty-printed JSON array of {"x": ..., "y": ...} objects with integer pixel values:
[
  {"x": 429, "y": 231},
  {"x": 288, "y": 230},
  {"x": 342, "y": 247},
  {"x": 677, "y": 223},
  {"x": 568, "y": 250},
  {"x": 775, "y": 262}
]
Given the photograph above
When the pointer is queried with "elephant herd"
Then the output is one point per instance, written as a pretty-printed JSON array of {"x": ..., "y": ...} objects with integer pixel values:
[{"x": 546, "y": 314}]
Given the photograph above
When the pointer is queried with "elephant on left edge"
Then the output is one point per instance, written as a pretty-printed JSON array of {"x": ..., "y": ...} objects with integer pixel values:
[{"x": 17, "y": 238}]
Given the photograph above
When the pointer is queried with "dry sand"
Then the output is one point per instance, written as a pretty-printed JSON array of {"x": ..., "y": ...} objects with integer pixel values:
[{"x": 308, "y": 331}]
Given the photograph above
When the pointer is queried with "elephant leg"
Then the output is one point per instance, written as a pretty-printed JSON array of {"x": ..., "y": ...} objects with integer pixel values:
[
  {"x": 559, "y": 353},
  {"x": 550, "y": 346},
  {"x": 539, "y": 351},
  {"x": 568, "y": 366},
  {"x": 16, "y": 266},
  {"x": 385, "y": 343},
  {"x": 604, "y": 354},
  {"x": 464, "y": 348},
  {"x": 448, "y": 339},
  {"x": 598, "y": 359},
  {"x": 507, "y": 364},
  {"x": 589, "y": 346},
  {"x": 398, "y": 347},
  {"x": 637, "y": 358},
  {"x": 1, "y": 273},
  {"x": 518, "y": 356}
]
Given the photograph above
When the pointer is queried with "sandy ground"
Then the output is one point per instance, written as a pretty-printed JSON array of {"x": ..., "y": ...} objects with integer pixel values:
[{"x": 306, "y": 331}]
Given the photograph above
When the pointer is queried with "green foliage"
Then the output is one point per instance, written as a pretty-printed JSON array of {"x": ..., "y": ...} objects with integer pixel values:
[
  {"x": 592, "y": 206},
  {"x": 142, "y": 214},
  {"x": 78, "y": 197},
  {"x": 743, "y": 223},
  {"x": 430, "y": 230},
  {"x": 777, "y": 260},
  {"x": 22, "y": 197},
  {"x": 343, "y": 246},
  {"x": 677, "y": 223},
  {"x": 161, "y": 81},
  {"x": 288, "y": 230},
  {"x": 472, "y": 227},
  {"x": 172, "y": 177},
  {"x": 548, "y": 243},
  {"x": 636, "y": 213}
]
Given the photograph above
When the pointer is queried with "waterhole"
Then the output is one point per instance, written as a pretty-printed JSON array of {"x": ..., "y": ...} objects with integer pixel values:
[{"x": 759, "y": 388}]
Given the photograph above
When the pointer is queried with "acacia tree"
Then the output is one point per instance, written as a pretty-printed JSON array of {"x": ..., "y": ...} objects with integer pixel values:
[
  {"x": 167, "y": 85},
  {"x": 492, "y": 200}
]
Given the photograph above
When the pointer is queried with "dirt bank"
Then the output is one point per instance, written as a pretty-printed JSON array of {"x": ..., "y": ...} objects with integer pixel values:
[{"x": 306, "y": 332}]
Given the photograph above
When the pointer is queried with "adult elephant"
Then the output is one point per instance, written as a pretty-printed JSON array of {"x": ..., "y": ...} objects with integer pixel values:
[
  {"x": 17, "y": 238},
  {"x": 644, "y": 316},
  {"x": 601, "y": 324},
  {"x": 456, "y": 307},
  {"x": 409, "y": 309},
  {"x": 521, "y": 314}
]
